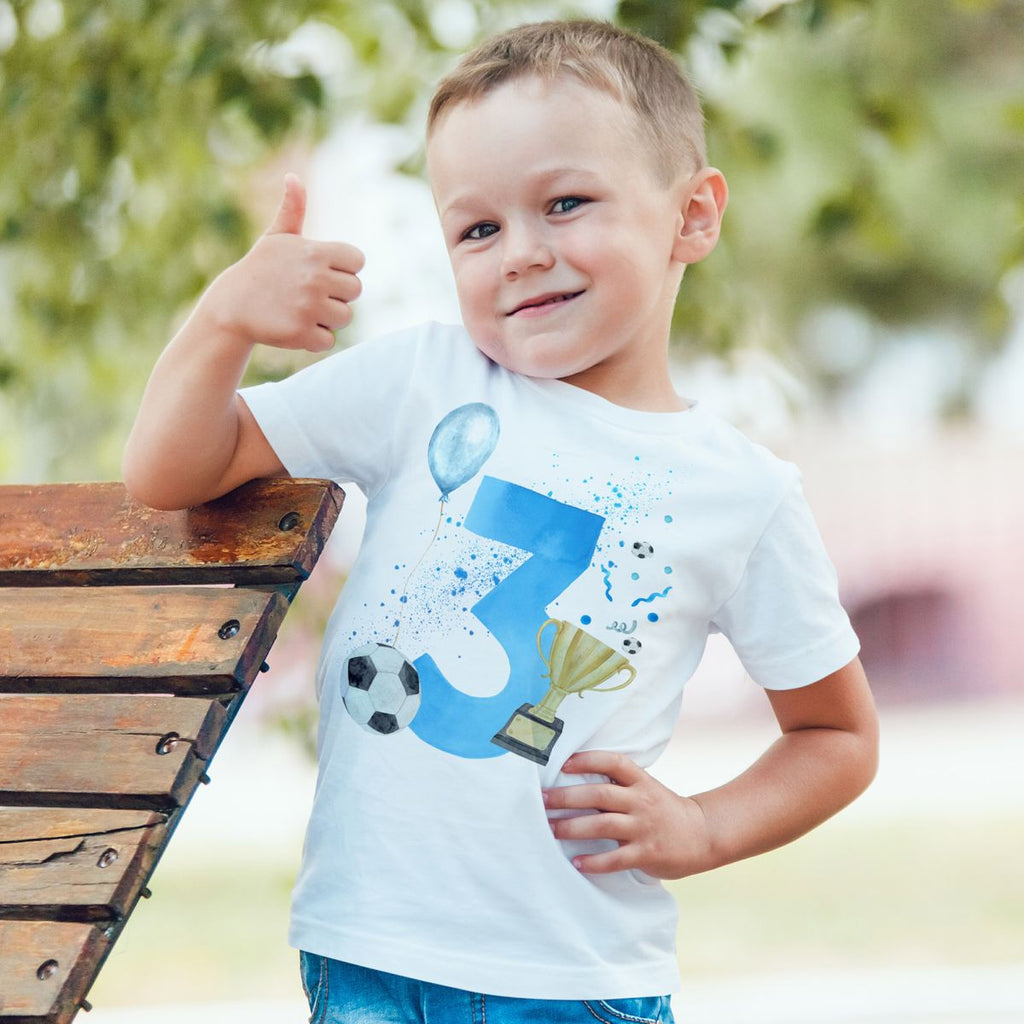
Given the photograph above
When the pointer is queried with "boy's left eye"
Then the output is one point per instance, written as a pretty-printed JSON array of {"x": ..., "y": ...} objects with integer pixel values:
[
  {"x": 566, "y": 204},
  {"x": 478, "y": 232}
]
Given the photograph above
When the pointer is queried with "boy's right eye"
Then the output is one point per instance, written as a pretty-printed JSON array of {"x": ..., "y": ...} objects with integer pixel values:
[{"x": 478, "y": 232}]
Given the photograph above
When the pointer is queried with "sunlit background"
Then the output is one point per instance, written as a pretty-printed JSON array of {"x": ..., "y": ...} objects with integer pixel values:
[{"x": 863, "y": 316}]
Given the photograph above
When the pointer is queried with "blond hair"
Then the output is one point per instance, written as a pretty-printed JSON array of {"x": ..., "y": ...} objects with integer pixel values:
[{"x": 636, "y": 71}]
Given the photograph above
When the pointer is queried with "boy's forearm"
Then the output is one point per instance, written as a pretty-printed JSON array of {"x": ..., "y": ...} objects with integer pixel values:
[
  {"x": 825, "y": 758},
  {"x": 186, "y": 430},
  {"x": 804, "y": 778}
]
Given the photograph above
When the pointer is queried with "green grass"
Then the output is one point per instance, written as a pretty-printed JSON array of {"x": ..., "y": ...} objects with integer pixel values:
[
  {"x": 849, "y": 895},
  {"x": 215, "y": 934},
  {"x": 903, "y": 893}
]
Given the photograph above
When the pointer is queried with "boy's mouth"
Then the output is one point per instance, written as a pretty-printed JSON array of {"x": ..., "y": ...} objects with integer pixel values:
[{"x": 539, "y": 301}]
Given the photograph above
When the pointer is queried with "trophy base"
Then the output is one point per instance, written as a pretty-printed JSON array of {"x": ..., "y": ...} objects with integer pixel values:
[{"x": 529, "y": 736}]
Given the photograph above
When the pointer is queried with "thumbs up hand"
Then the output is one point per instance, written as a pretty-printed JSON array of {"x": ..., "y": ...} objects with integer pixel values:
[{"x": 288, "y": 291}]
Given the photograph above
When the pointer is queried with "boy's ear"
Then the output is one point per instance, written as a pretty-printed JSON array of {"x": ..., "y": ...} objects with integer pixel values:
[{"x": 703, "y": 204}]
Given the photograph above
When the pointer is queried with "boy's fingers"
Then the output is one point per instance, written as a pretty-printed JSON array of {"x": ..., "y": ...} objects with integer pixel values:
[
  {"x": 601, "y": 863},
  {"x": 320, "y": 339},
  {"x": 593, "y": 826},
  {"x": 343, "y": 257},
  {"x": 617, "y": 767},
  {"x": 597, "y": 796},
  {"x": 292, "y": 211},
  {"x": 348, "y": 289}
]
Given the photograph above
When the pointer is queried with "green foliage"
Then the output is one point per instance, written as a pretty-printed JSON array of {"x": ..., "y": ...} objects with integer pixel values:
[
  {"x": 129, "y": 124},
  {"x": 875, "y": 157}
]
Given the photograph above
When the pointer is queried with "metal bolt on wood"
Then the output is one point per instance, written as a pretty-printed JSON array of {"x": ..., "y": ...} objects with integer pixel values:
[
  {"x": 289, "y": 522},
  {"x": 229, "y": 629},
  {"x": 107, "y": 857},
  {"x": 167, "y": 743},
  {"x": 47, "y": 969}
]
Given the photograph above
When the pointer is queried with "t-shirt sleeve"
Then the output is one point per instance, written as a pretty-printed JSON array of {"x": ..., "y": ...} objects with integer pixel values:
[
  {"x": 331, "y": 419},
  {"x": 784, "y": 619}
]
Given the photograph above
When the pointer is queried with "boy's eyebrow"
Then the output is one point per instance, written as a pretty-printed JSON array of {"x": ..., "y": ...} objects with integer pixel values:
[{"x": 469, "y": 199}]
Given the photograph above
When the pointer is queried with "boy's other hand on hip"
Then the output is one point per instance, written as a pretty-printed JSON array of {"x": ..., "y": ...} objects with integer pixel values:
[{"x": 658, "y": 831}]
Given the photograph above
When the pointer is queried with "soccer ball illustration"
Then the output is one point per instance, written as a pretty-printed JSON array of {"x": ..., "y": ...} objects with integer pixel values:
[
  {"x": 631, "y": 645},
  {"x": 642, "y": 549},
  {"x": 381, "y": 688}
]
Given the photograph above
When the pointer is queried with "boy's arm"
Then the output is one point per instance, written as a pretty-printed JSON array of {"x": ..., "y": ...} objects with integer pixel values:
[
  {"x": 194, "y": 438},
  {"x": 827, "y": 755}
]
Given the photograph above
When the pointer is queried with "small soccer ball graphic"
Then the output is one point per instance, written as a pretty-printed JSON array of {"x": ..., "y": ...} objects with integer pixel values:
[
  {"x": 642, "y": 549},
  {"x": 381, "y": 688},
  {"x": 631, "y": 645}
]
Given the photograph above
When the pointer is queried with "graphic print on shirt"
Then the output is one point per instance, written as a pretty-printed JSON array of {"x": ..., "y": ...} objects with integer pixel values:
[
  {"x": 383, "y": 692},
  {"x": 519, "y": 551},
  {"x": 576, "y": 662}
]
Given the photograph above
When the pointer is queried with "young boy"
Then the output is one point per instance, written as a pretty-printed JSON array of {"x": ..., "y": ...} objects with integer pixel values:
[{"x": 552, "y": 532}]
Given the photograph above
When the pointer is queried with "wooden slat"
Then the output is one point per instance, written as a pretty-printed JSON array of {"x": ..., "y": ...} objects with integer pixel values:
[
  {"x": 99, "y": 750},
  {"x": 268, "y": 531},
  {"x": 109, "y": 634},
  {"x": 163, "y": 639},
  {"x": 84, "y": 865},
  {"x": 29, "y": 991}
]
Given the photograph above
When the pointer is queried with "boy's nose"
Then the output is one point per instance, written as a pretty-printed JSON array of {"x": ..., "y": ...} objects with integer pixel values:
[{"x": 524, "y": 251}]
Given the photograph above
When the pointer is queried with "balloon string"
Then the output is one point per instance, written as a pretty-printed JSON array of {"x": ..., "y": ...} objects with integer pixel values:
[{"x": 437, "y": 530}]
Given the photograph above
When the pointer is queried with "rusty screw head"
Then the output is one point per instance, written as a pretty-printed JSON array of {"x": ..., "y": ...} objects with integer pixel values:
[
  {"x": 167, "y": 743},
  {"x": 107, "y": 857},
  {"x": 289, "y": 521},
  {"x": 47, "y": 970},
  {"x": 229, "y": 629}
]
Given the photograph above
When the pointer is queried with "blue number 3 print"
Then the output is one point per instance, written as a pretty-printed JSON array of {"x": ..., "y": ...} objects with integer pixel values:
[{"x": 562, "y": 540}]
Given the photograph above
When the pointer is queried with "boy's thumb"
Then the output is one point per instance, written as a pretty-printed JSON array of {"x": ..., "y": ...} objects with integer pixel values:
[{"x": 292, "y": 211}]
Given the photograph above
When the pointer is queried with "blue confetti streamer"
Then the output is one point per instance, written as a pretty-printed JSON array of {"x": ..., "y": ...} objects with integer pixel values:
[
  {"x": 607, "y": 574},
  {"x": 650, "y": 598}
]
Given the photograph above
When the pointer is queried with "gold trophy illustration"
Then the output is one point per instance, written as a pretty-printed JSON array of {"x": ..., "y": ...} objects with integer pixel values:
[{"x": 576, "y": 662}]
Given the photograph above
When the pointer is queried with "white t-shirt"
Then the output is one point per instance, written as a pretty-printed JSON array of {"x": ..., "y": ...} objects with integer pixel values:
[{"x": 549, "y": 566}]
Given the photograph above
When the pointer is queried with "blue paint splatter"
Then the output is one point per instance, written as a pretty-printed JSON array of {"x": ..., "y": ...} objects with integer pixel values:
[
  {"x": 650, "y": 597},
  {"x": 461, "y": 574},
  {"x": 668, "y": 519},
  {"x": 586, "y": 620},
  {"x": 652, "y": 616}
]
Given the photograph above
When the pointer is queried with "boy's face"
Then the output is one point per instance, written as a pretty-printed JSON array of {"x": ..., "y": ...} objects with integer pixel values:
[{"x": 562, "y": 241}]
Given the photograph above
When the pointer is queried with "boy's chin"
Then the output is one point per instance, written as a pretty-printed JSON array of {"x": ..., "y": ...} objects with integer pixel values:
[{"x": 525, "y": 366}]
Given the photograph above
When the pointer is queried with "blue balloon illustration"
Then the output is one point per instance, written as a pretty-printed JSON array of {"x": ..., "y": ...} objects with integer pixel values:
[{"x": 461, "y": 443}]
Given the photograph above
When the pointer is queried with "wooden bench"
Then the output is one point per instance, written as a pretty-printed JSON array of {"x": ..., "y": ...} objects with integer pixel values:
[{"x": 128, "y": 640}]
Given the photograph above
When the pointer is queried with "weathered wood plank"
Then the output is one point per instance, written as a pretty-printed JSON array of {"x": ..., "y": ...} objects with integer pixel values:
[
  {"x": 165, "y": 639},
  {"x": 268, "y": 531},
  {"x": 27, "y": 824},
  {"x": 105, "y": 751},
  {"x": 86, "y": 865},
  {"x": 46, "y": 968}
]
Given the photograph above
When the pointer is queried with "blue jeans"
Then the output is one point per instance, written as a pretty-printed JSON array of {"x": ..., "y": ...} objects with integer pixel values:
[{"x": 341, "y": 993}]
